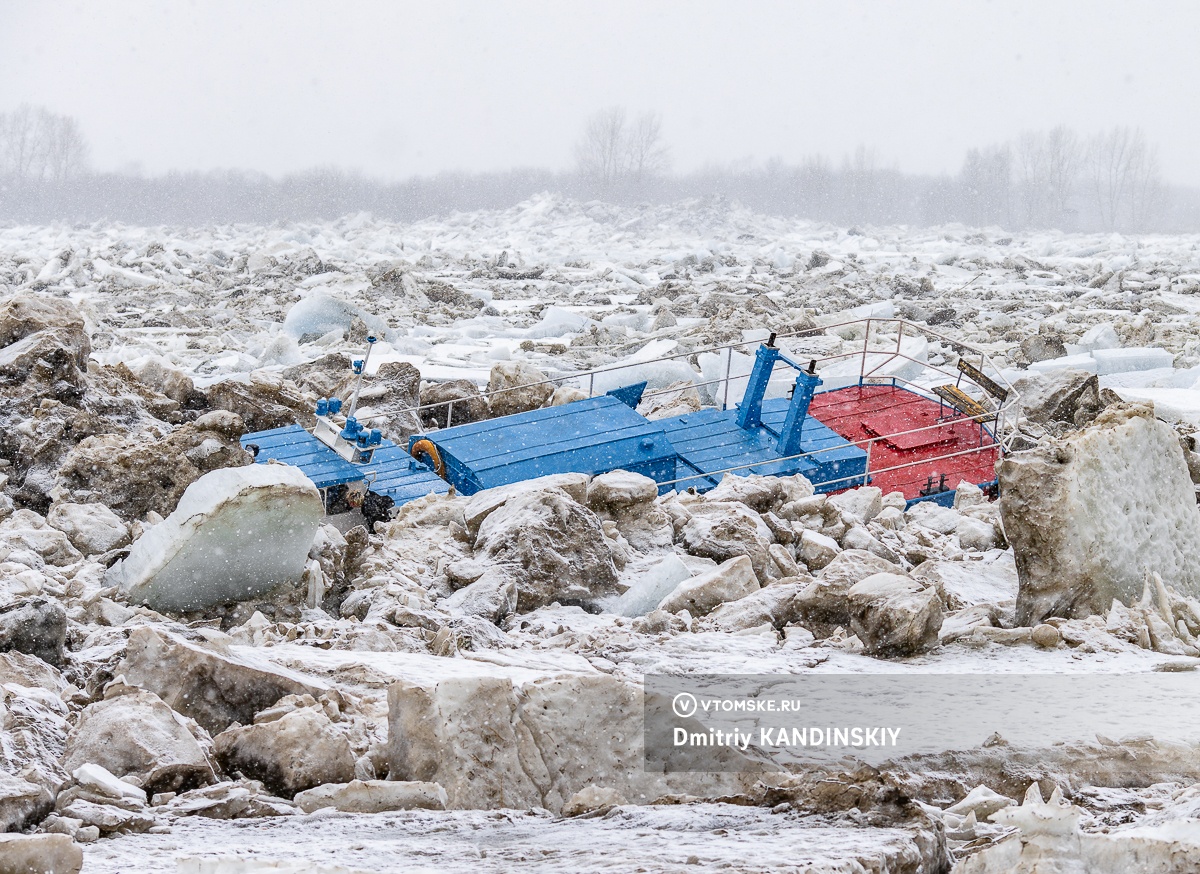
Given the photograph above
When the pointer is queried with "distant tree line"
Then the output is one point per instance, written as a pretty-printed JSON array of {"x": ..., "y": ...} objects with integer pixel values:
[
  {"x": 616, "y": 152},
  {"x": 38, "y": 146},
  {"x": 1056, "y": 179},
  {"x": 1042, "y": 179}
]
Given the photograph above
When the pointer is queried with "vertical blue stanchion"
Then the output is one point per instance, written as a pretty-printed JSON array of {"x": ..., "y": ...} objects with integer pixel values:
[
  {"x": 750, "y": 409},
  {"x": 793, "y": 425}
]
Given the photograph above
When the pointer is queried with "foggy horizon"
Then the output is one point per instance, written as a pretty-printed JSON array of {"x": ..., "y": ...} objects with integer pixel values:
[{"x": 397, "y": 91}]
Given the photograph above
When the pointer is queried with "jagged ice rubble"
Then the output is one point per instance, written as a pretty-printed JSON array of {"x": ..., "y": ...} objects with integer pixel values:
[{"x": 199, "y": 672}]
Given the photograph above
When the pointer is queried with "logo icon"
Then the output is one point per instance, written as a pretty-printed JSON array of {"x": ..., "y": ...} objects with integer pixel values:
[{"x": 684, "y": 704}]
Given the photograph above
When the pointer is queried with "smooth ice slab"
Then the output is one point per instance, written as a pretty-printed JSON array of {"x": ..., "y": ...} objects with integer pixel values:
[
  {"x": 650, "y": 587},
  {"x": 236, "y": 534},
  {"x": 1083, "y": 361},
  {"x": 1136, "y": 358}
]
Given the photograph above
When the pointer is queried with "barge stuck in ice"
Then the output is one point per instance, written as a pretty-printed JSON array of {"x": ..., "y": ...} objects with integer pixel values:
[{"x": 882, "y": 416}]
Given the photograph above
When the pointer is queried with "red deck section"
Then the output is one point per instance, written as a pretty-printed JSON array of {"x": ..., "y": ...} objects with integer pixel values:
[{"x": 859, "y": 413}]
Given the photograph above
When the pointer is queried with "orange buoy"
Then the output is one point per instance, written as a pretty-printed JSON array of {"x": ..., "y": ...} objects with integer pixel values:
[{"x": 426, "y": 447}]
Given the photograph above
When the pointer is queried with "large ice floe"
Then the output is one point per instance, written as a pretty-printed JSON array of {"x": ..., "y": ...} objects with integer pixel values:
[
  {"x": 236, "y": 533},
  {"x": 1092, "y": 515},
  {"x": 199, "y": 673}
]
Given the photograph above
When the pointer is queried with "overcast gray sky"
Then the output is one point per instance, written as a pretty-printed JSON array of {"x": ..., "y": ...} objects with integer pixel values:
[{"x": 399, "y": 88}]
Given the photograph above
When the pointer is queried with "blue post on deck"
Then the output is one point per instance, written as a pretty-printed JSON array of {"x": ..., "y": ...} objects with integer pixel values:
[
  {"x": 750, "y": 409},
  {"x": 802, "y": 395}
]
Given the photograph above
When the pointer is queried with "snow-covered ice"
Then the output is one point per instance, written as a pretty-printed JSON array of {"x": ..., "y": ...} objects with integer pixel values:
[
  {"x": 563, "y": 287},
  {"x": 236, "y": 533}
]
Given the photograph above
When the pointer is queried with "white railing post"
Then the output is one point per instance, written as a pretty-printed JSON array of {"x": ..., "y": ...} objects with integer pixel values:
[
  {"x": 728, "y": 365},
  {"x": 862, "y": 365}
]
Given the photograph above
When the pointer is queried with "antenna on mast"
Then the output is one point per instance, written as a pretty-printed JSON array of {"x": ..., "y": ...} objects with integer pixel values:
[{"x": 353, "y": 442}]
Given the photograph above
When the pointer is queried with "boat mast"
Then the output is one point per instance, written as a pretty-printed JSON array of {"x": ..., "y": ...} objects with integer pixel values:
[{"x": 360, "y": 367}]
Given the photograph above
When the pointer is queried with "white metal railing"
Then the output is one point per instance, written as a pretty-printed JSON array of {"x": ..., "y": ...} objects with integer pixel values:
[
  {"x": 1006, "y": 414},
  {"x": 850, "y": 479},
  {"x": 864, "y": 476}
]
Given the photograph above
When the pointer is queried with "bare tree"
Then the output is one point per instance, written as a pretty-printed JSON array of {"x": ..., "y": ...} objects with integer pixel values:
[
  {"x": 815, "y": 180},
  {"x": 36, "y": 144},
  {"x": 1063, "y": 156},
  {"x": 1147, "y": 193},
  {"x": 23, "y": 143},
  {"x": 858, "y": 175},
  {"x": 1124, "y": 178},
  {"x": 1109, "y": 156},
  {"x": 1047, "y": 167},
  {"x": 602, "y": 152},
  {"x": 868, "y": 192},
  {"x": 613, "y": 151},
  {"x": 986, "y": 185},
  {"x": 1032, "y": 178},
  {"x": 66, "y": 150},
  {"x": 647, "y": 155}
]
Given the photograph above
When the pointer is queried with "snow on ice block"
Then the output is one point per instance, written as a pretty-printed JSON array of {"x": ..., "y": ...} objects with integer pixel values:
[
  {"x": 1172, "y": 404},
  {"x": 1083, "y": 361},
  {"x": 98, "y": 779},
  {"x": 533, "y": 720},
  {"x": 318, "y": 314},
  {"x": 718, "y": 369},
  {"x": 1089, "y": 516},
  {"x": 236, "y": 533},
  {"x": 1136, "y": 358},
  {"x": 1102, "y": 336},
  {"x": 557, "y": 322}
]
